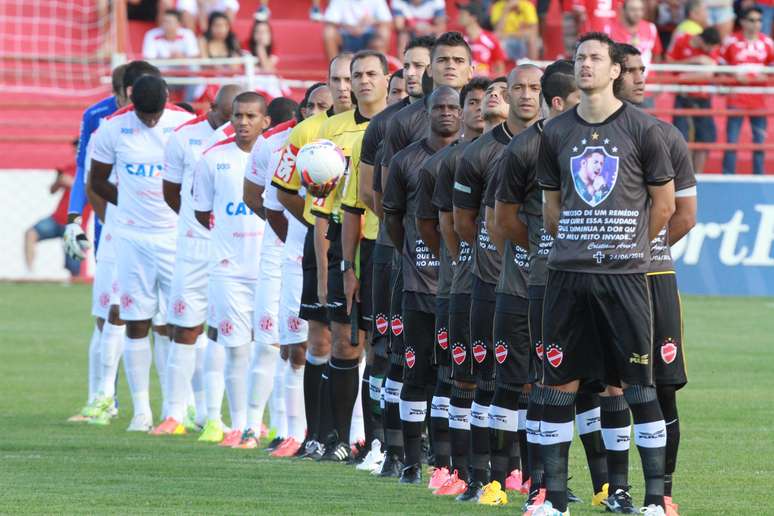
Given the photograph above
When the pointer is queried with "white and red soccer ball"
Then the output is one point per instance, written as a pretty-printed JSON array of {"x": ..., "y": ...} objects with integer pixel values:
[{"x": 321, "y": 163}]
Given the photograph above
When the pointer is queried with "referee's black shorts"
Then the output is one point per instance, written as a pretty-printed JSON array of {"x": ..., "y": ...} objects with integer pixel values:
[{"x": 311, "y": 309}]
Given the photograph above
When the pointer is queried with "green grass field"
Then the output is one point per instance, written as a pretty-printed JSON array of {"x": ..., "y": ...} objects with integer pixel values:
[{"x": 726, "y": 463}]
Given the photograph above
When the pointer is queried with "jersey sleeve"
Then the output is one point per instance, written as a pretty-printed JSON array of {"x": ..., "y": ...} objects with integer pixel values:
[
  {"x": 286, "y": 177},
  {"x": 255, "y": 171},
  {"x": 425, "y": 189},
  {"x": 270, "y": 200},
  {"x": 350, "y": 200},
  {"x": 204, "y": 187},
  {"x": 371, "y": 141},
  {"x": 443, "y": 192},
  {"x": 468, "y": 186},
  {"x": 548, "y": 171},
  {"x": 394, "y": 141},
  {"x": 394, "y": 200},
  {"x": 682, "y": 163},
  {"x": 512, "y": 186},
  {"x": 78, "y": 199},
  {"x": 377, "y": 185},
  {"x": 104, "y": 151},
  {"x": 656, "y": 162},
  {"x": 174, "y": 160},
  {"x": 491, "y": 187}
]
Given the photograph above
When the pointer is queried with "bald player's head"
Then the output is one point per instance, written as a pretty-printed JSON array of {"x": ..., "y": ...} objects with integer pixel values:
[
  {"x": 222, "y": 107},
  {"x": 524, "y": 92},
  {"x": 445, "y": 111}
]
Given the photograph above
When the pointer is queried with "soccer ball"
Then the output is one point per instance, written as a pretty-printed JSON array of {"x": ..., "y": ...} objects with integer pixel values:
[{"x": 321, "y": 163}]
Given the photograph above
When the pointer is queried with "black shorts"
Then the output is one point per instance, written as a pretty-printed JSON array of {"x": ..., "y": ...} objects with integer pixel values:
[
  {"x": 418, "y": 369},
  {"x": 482, "y": 308},
  {"x": 459, "y": 336},
  {"x": 441, "y": 355},
  {"x": 337, "y": 303},
  {"x": 597, "y": 327},
  {"x": 536, "y": 294},
  {"x": 381, "y": 292},
  {"x": 668, "y": 352},
  {"x": 396, "y": 311},
  {"x": 365, "y": 307},
  {"x": 512, "y": 349},
  {"x": 311, "y": 309}
]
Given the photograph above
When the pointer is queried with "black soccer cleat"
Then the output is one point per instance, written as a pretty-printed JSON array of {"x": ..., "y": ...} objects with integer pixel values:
[
  {"x": 620, "y": 502},
  {"x": 339, "y": 453},
  {"x": 572, "y": 497},
  {"x": 274, "y": 443},
  {"x": 317, "y": 453},
  {"x": 306, "y": 449},
  {"x": 391, "y": 467},
  {"x": 411, "y": 474},
  {"x": 472, "y": 493}
]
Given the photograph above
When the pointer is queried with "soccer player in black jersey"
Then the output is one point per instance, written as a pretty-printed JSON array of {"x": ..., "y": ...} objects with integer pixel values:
[
  {"x": 420, "y": 271},
  {"x": 597, "y": 301},
  {"x": 669, "y": 371}
]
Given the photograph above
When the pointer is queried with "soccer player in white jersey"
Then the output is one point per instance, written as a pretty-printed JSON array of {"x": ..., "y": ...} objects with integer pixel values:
[
  {"x": 234, "y": 248},
  {"x": 188, "y": 300},
  {"x": 132, "y": 142}
]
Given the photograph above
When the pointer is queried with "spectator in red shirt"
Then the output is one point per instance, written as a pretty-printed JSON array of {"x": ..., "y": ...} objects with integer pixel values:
[
  {"x": 701, "y": 49},
  {"x": 488, "y": 55},
  {"x": 747, "y": 47},
  {"x": 634, "y": 29},
  {"x": 53, "y": 226}
]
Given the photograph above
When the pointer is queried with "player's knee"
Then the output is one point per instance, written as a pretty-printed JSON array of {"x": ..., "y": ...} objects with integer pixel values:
[
  {"x": 161, "y": 329},
  {"x": 137, "y": 329},
  {"x": 114, "y": 316}
]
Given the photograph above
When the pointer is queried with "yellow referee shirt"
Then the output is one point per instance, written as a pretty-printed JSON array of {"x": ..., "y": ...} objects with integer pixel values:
[{"x": 351, "y": 202}]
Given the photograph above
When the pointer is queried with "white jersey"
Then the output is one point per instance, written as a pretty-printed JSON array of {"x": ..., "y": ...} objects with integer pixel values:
[
  {"x": 236, "y": 231},
  {"x": 136, "y": 152},
  {"x": 266, "y": 153},
  {"x": 183, "y": 151}
]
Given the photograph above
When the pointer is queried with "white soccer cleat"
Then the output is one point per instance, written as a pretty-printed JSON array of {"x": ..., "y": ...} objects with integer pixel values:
[
  {"x": 547, "y": 509},
  {"x": 373, "y": 460},
  {"x": 653, "y": 510},
  {"x": 76, "y": 243},
  {"x": 141, "y": 423}
]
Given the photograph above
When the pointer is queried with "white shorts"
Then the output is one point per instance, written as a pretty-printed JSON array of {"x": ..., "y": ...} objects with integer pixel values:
[
  {"x": 267, "y": 292},
  {"x": 233, "y": 302},
  {"x": 145, "y": 262},
  {"x": 292, "y": 329},
  {"x": 188, "y": 298},
  {"x": 104, "y": 289}
]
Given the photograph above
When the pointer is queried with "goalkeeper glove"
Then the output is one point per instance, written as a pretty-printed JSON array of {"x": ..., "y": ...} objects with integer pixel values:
[{"x": 76, "y": 243}]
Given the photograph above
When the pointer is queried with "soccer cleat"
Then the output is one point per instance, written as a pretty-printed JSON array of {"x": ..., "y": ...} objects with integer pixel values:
[
  {"x": 411, "y": 474},
  {"x": 318, "y": 452},
  {"x": 535, "y": 500},
  {"x": 359, "y": 452},
  {"x": 315, "y": 14},
  {"x": 231, "y": 439},
  {"x": 78, "y": 418},
  {"x": 262, "y": 14},
  {"x": 620, "y": 502},
  {"x": 600, "y": 497},
  {"x": 169, "y": 426},
  {"x": 454, "y": 486},
  {"x": 547, "y": 509},
  {"x": 212, "y": 432},
  {"x": 671, "y": 507},
  {"x": 373, "y": 459},
  {"x": 439, "y": 478},
  {"x": 513, "y": 482},
  {"x": 493, "y": 494},
  {"x": 287, "y": 449},
  {"x": 140, "y": 423},
  {"x": 472, "y": 493},
  {"x": 248, "y": 441},
  {"x": 307, "y": 449},
  {"x": 526, "y": 486},
  {"x": 301, "y": 452},
  {"x": 339, "y": 453},
  {"x": 572, "y": 497},
  {"x": 189, "y": 421},
  {"x": 653, "y": 510},
  {"x": 274, "y": 444},
  {"x": 391, "y": 467}
]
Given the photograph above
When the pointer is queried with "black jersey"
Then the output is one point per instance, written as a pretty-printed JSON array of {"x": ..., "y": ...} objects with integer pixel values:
[
  {"x": 377, "y": 129},
  {"x": 603, "y": 171},
  {"x": 407, "y": 126},
  {"x": 477, "y": 166},
  {"x": 420, "y": 267},
  {"x": 382, "y": 238},
  {"x": 685, "y": 180}
]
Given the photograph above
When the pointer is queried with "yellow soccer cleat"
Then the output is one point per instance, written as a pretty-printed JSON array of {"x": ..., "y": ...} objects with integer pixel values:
[
  {"x": 493, "y": 494},
  {"x": 601, "y": 496},
  {"x": 212, "y": 433}
]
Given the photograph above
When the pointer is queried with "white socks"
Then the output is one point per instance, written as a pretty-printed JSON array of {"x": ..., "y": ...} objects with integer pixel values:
[
  {"x": 277, "y": 418},
  {"x": 237, "y": 358},
  {"x": 112, "y": 344},
  {"x": 357, "y": 425},
  {"x": 95, "y": 363},
  {"x": 197, "y": 380},
  {"x": 160, "y": 356},
  {"x": 214, "y": 359},
  {"x": 259, "y": 383},
  {"x": 137, "y": 362},
  {"x": 294, "y": 402},
  {"x": 180, "y": 369}
]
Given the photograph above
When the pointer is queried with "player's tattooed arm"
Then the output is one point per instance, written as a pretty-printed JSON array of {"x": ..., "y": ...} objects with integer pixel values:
[
  {"x": 99, "y": 181},
  {"x": 551, "y": 208},
  {"x": 171, "y": 194}
]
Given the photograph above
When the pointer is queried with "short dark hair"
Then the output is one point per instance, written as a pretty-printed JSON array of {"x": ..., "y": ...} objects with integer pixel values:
[
  {"x": 502, "y": 78},
  {"x": 364, "y": 54},
  {"x": 281, "y": 110},
  {"x": 398, "y": 74},
  {"x": 185, "y": 105},
  {"x": 427, "y": 42},
  {"x": 117, "y": 78},
  {"x": 251, "y": 97},
  {"x": 613, "y": 49},
  {"x": 174, "y": 12},
  {"x": 745, "y": 12},
  {"x": 149, "y": 94},
  {"x": 137, "y": 69},
  {"x": 558, "y": 80},
  {"x": 710, "y": 36},
  {"x": 625, "y": 49},
  {"x": 690, "y": 5},
  {"x": 451, "y": 39},
  {"x": 309, "y": 91},
  {"x": 476, "y": 83}
]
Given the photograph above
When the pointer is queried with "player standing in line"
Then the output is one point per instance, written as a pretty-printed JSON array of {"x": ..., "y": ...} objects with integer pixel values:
[
  {"x": 434, "y": 222},
  {"x": 669, "y": 370},
  {"x": 477, "y": 162},
  {"x": 510, "y": 333},
  {"x": 345, "y": 130},
  {"x": 133, "y": 142},
  {"x": 188, "y": 299},
  {"x": 264, "y": 159},
  {"x": 419, "y": 270},
  {"x": 597, "y": 299},
  {"x": 416, "y": 58},
  {"x": 234, "y": 249}
]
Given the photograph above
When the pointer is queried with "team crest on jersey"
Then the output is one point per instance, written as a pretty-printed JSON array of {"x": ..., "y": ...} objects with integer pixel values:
[
  {"x": 397, "y": 325},
  {"x": 539, "y": 350},
  {"x": 104, "y": 299},
  {"x": 126, "y": 301},
  {"x": 554, "y": 354},
  {"x": 266, "y": 323},
  {"x": 179, "y": 307},
  {"x": 226, "y": 328},
  {"x": 501, "y": 351},
  {"x": 294, "y": 324},
  {"x": 382, "y": 324},
  {"x": 410, "y": 356},
  {"x": 479, "y": 351},
  {"x": 668, "y": 351},
  {"x": 442, "y": 337},
  {"x": 459, "y": 353},
  {"x": 594, "y": 170}
]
